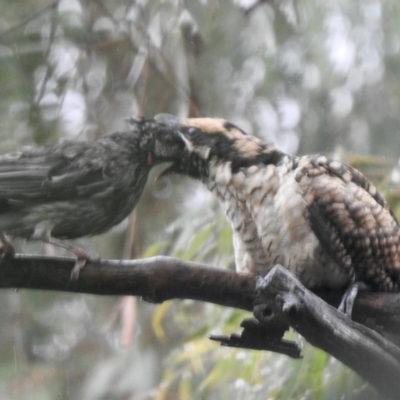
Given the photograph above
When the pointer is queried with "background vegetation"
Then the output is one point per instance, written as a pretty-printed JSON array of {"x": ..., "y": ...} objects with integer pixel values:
[{"x": 309, "y": 75}]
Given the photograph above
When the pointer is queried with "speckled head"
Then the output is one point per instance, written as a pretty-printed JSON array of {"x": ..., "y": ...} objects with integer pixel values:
[{"x": 200, "y": 141}]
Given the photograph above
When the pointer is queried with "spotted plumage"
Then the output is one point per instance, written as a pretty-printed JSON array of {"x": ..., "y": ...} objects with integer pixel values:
[{"x": 320, "y": 218}]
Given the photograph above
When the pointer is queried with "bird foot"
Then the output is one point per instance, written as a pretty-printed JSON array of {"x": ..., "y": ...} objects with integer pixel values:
[
  {"x": 79, "y": 264},
  {"x": 347, "y": 303},
  {"x": 81, "y": 255},
  {"x": 81, "y": 259}
]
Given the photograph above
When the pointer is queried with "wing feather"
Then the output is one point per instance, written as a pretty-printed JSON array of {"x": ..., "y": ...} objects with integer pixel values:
[
  {"x": 52, "y": 173},
  {"x": 352, "y": 221}
]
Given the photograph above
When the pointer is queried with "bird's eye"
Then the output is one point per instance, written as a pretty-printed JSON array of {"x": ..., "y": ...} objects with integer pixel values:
[{"x": 192, "y": 131}]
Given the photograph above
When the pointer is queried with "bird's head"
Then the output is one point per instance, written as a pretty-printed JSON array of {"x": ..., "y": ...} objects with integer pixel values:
[{"x": 193, "y": 144}]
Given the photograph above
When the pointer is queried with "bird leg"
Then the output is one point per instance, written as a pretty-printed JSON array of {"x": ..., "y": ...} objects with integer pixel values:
[
  {"x": 81, "y": 255},
  {"x": 346, "y": 305},
  {"x": 79, "y": 264}
]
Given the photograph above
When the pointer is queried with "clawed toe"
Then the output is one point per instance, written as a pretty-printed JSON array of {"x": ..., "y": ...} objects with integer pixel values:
[
  {"x": 346, "y": 305},
  {"x": 81, "y": 260},
  {"x": 79, "y": 264}
]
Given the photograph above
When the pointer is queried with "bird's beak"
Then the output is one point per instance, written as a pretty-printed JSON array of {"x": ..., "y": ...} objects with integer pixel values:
[
  {"x": 168, "y": 119},
  {"x": 168, "y": 145},
  {"x": 167, "y": 171},
  {"x": 161, "y": 141}
]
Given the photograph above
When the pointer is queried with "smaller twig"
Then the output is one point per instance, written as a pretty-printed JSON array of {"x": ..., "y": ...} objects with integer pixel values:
[
  {"x": 31, "y": 17},
  {"x": 53, "y": 28},
  {"x": 258, "y": 336}
]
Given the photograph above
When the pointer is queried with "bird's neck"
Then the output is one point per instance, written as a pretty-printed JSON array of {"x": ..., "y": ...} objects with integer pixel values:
[{"x": 223, "y": 178}]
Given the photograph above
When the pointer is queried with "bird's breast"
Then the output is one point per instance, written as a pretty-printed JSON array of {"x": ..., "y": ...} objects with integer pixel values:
[{"x": 269, "y": 218}]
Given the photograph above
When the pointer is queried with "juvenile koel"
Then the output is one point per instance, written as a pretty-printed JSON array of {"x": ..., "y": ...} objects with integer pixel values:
[{"x": 320, "y": 218}]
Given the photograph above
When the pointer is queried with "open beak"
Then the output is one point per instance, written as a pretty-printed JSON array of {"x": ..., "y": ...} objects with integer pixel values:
[
  {"x": 167, "y": 171},
  {"x": 161, "y": 141},
  {"x": 167, "y": 145}
]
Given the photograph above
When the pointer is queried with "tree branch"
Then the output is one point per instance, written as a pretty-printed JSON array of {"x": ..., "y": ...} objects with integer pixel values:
[
  {"x": 155, "y": 279},
  {"x": 162, "y": 278},
  {"x": 280, "y": 295},
  {"x": 368, "y": 353}
]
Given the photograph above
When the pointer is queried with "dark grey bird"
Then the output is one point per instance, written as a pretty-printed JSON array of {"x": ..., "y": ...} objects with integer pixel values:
[
  {"x": 74, "y": 189},
  {"x": 320, "y": 218}
]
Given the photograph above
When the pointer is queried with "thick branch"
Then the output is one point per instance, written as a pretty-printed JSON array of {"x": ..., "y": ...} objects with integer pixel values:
[
  {"x": 368, "y": 353},
  {"x": 155, "y": 279},
  {"x": 162, "y": 278}
]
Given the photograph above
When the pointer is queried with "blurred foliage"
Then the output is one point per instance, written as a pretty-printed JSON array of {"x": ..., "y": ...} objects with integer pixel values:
[{"x": 310, "y": 76}]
